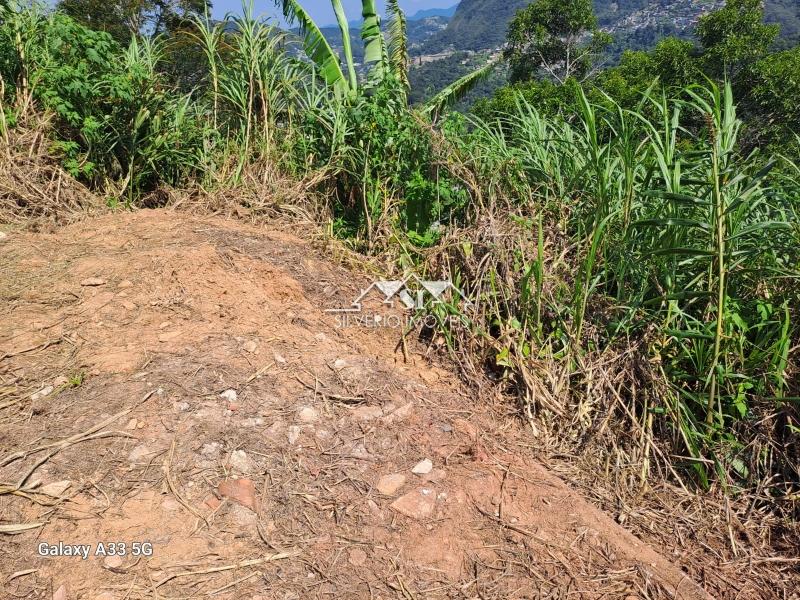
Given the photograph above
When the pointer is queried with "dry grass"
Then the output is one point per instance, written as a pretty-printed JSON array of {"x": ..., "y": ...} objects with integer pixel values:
[
  {"x": 585, "y": 413},
  {"x": 35, "y": 192}
]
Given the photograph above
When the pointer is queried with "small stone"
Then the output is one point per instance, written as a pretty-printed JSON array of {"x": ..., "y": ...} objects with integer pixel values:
[
  {"x": 240, "y": 462},
  {"x": 112, "y": 562},
  {"x": 274, "y": 432},
  {"x": 125, "y": 284},
  {"x": 388, "y": 485},
  {"x": 229, "y": 395},
  {"x": 212, "y": 502},
  {"x": 250, "y": 346},
  {"x": 93, "y": 282},
  {"x": 243, "y": 517},
  {"x": 418, "y": 504},
  {"x": 181, "y": 406},
  {"x": 169, "y": 336},
  {"x": 128, "y": 305},
  {"x": 466, "y": 428},
  {"x": 45, "y": 391},
  {"x": 211, "y": 450},
  {"x": 132, "y": 424},
  {"x": 357, "y": 557},
  {"x": 399, "y": 414},
  {"x": 307, "y": 415},
  {"x": 55, "y": 489},
  {"x": 367, "y": 413},
  {"x": 138, "y": 453},
  {"x": 279, "y": 358},
  {"x": 60, "y": 593},
  {"x": 3, "y": 236},
  {"x": 164, "y": 325},
  {"x": 242, "y": 491},
  {"x": 60, "y": 380},
  {"x": 423, "y": 467},
  {"x": 170, "y": 504},
  {"x": 140, "y": 425},
  {"x": 435, "y": 475},
  {"x": 293, "y": 434},
  {"x": 360, "y": 451},
  {"x": 340, "y": 363},
  {"x": 253, "y": 422}
]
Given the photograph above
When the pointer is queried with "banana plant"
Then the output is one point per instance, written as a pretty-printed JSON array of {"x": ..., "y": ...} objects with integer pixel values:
[{"x": 384, "y": 58}]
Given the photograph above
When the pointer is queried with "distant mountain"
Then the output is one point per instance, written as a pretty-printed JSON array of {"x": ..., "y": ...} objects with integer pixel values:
[
  {"x": 483, "y": 24},
  {"x": 476, "y": 25},
  {"x": 433, "y": 12}
]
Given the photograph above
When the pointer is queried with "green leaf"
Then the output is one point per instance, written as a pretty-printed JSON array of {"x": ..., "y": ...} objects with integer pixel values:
[
  {"x": 374, "y": 45},
  {"x": 458, "y": 89},
  {"x": 671, "y": 222},
  {"x": 317, "y": 47}
]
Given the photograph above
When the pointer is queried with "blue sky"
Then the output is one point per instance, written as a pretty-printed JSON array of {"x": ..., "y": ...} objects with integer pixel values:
[{"x": 321, "y": 9}]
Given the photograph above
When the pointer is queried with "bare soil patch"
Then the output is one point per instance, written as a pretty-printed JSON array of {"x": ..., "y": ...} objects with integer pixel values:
[{"x": 176, "y": 381}]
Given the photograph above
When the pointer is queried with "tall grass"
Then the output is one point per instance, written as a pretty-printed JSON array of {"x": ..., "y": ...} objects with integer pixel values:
[{"x": 661, "y": 236}]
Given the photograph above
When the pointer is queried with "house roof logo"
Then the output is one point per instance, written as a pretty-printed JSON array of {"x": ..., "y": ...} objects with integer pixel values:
[{"x": 412, "y": 292}]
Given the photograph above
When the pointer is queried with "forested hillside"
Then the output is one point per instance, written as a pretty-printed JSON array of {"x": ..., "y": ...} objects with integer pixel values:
[
  {"x": 476, "y": 25},
  {"x": 634, "y": 25}
]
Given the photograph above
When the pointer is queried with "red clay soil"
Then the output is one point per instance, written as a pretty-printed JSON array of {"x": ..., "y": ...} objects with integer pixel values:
[{"x": 174, "y": 384}]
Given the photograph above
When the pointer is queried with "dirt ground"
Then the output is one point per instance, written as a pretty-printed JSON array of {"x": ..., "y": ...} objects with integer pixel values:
[{"x": 174, "y": 384}]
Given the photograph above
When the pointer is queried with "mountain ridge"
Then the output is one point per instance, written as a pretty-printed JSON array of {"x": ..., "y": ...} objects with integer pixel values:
[
  {"x": 482, "y": 24},
  {"x": 434, "y": 12}
]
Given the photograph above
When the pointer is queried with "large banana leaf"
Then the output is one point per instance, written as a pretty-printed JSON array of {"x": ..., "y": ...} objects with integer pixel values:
[
  {"x": 374, "y": 47},
  {"x": 398, "y": 46},
  {"x": 341, "y": 19},
  {"x": 458, "y": 89},
  {"x": 317, "y": 47}
]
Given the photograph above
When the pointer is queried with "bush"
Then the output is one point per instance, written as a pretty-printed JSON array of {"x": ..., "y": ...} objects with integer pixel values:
[{"x": 114, "y": 116}]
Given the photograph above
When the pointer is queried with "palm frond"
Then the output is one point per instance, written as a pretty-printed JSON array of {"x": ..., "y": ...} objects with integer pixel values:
[{"x": 458, "y": 89}]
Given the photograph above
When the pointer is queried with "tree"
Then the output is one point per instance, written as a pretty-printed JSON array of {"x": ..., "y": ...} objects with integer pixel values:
[
  {"x": 123, "y": 18},
  {"x": 558, "y": 37},
  {"x": 735, "y": 37},
  {"x": 773, "y": 87}
]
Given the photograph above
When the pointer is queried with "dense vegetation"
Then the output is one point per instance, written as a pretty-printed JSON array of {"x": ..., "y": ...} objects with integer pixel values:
[{"x": 631, "y": 241}]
